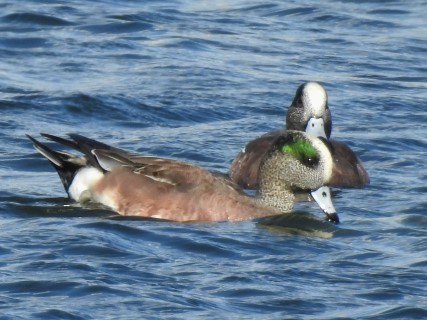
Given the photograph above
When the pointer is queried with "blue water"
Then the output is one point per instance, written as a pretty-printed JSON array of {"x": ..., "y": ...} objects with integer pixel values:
[{"x": 196, "y": 80}]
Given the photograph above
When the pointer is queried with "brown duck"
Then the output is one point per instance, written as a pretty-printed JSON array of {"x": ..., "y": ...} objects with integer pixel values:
[{"x": 134, "y": 185}]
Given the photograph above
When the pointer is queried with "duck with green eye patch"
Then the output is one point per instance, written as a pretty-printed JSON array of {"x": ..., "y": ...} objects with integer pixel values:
[
  {"x": 308, "y": 162},
  {"x": 149, "y": 186},
  {"x": 302, "y": 150},
  {"x": 309, "y": 112}
]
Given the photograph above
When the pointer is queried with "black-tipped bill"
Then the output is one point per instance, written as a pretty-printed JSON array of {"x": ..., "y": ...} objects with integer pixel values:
[
  {"x": 316, "y": 127},
  {"x": 323, "y": 198}
]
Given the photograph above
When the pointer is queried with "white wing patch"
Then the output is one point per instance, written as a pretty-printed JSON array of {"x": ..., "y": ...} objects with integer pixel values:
[{"x": 159, "y": 179}]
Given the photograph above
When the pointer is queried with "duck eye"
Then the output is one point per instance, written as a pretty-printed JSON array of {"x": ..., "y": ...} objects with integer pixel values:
[{"x": 310, "y": 161}]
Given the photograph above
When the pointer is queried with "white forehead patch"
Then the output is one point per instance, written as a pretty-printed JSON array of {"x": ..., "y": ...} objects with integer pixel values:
[{"x": 314, "y": 98}]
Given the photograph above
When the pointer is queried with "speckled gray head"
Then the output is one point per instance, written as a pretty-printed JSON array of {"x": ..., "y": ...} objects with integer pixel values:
[
  {"x": 309, "y": 111},
  {"x": 297, "y": 162}
]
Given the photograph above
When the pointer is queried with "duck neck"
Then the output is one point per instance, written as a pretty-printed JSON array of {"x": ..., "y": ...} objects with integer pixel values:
[{"x": 276, "y": 195}]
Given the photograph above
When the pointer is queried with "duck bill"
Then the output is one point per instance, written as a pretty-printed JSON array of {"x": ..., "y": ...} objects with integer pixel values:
[
  {"x": 323, "y": 198},
  {"x": 316, "y": 127}
]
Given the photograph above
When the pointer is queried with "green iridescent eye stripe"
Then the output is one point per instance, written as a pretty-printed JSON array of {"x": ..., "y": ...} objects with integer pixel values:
[{"x": 299, "y": 148}]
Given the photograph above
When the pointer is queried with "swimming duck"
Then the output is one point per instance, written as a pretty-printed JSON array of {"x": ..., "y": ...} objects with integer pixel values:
[
  {"x": 134, "y": 185},
  {"x": 308, "y": 112}
]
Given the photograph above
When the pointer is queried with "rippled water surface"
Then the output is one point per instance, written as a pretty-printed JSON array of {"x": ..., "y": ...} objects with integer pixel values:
[{"x": 196, "y": 80}]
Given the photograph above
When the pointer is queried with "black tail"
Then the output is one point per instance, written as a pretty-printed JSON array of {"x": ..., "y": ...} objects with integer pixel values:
[
  {"x": 85, "y": 146},
  {"x": 67, "y": 164},
  {"x": 64, "y": 163}
]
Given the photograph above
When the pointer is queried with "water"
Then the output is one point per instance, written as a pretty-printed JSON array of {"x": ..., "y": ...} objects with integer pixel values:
[{"x": 195, "y": 80}]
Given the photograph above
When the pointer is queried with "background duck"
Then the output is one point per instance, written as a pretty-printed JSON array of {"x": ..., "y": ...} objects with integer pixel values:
[
  {"x": 309, "y": 112},
  {"x": 155, "y": 187}
]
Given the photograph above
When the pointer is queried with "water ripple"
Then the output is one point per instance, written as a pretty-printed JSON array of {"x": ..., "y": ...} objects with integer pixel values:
[
  {"x": 118, "y": 28},
  {"x": 23, "y": 43},
  {"x": 34, "y": 18}
]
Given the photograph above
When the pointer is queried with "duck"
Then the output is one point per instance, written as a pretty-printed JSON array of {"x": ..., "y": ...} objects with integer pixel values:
[
  {"x": 168, "y": 189},
  {"x": 308, "y": 112}
]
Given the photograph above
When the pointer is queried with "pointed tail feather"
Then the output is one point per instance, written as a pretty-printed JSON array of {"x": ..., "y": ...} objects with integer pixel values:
[
  {"x": 78, "y": 145},
  {"x": 86, "y": 146},
  {"x": 65, "y": 142},
  {"x": 90, "y": 143},
  {"x": 65, "y": 164}
]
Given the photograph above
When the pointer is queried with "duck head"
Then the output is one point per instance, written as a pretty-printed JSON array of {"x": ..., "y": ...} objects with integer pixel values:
[
  {"x": 297, "y": 162},
  {"x": 309, "y": 111}
]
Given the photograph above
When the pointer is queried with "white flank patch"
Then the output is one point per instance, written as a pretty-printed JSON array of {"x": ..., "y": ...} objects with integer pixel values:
[{"x": 83, "y": 181}]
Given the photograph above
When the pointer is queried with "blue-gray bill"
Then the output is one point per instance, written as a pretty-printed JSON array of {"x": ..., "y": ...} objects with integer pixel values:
[
  {"x": 323, "y": 198},
  {"x": 316, "y": 127}
]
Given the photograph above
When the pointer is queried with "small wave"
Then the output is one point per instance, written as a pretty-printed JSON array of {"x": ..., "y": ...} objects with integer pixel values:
[
  {"x": 293, "y": 11},
  {"x": 24, "y": 43},
  {"x": 57, "y": 314},
  {"x": 118, "y": 28},
  {"x": 35, "y": 18},
  {"x": 402, "y": 312}
]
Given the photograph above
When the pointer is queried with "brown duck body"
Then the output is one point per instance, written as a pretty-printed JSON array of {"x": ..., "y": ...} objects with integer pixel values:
[
  {"x": 168, "y": 189},
  {"x": 190, "y": 194}
]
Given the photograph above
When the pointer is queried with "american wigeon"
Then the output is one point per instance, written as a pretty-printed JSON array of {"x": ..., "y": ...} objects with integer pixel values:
[
  {"x": 154, "y": 187},
  {"x": 308, "y": 112}
]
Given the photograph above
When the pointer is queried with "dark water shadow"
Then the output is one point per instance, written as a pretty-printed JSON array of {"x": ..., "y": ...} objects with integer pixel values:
[
  {"x": 50, "y": 207},
  {"x": 299, "y": 223},
  {"x": 306, "y": 224}
]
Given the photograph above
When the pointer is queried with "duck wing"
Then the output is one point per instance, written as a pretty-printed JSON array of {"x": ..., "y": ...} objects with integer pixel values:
[
  {"x": 348, "y": 169},
  {"x": 245, "y": 166},
  {"x": 183, "y": 176}
]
